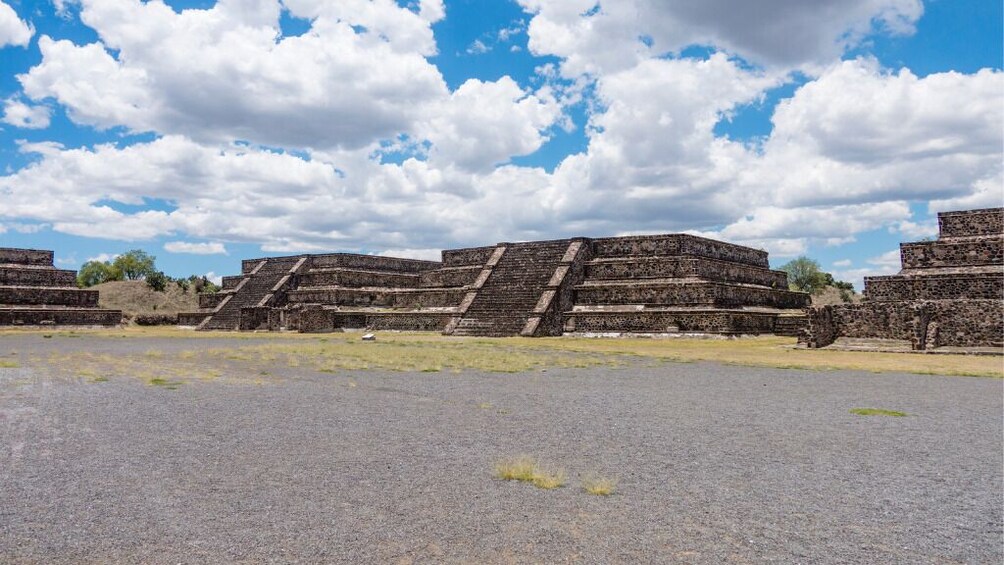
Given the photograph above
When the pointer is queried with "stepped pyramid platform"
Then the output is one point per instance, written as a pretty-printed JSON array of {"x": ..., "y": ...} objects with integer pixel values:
[
  {"x": 682, "y": 283},
  {"x": 950, "y": 291},
  {"x": 663, "y": 283},
  {"x": 35, "y": 293}
]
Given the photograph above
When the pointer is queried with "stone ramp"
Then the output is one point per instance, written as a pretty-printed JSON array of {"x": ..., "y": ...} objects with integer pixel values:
[{"x": 505, "y": 302}]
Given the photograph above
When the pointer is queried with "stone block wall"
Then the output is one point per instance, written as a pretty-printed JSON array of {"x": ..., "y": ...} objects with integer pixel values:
[
  {"x": 450, "y": 276},
  {"x": 371, "y": 263},
  {"x": 33, "y": 276},
  {"x": 34, "y": 292},
  {"x": 681, "y": 321},
  {"x": 467, "y": 256},
  {"x": 210, "y": 299},
  {"x": 696, "y": 293},
  {"x": 949, "y": 293},
  {"x": 679, "y": 244},
  {"x": 987, "y": 250},
  {"x": 29, "y": 316},
  {"x": 38, "y": 257},
  {"x": 935, "y": 287},
  {"x": 380, "y": 298},
  {"x": 924, "y": 323},
  {"x": 28, "y": 296},
  {"x": 965, "y": 223},
  {"x": 357, "y": 279},
  {"x": 684, "y": 267},
  {"x": 231, "y": 282}
]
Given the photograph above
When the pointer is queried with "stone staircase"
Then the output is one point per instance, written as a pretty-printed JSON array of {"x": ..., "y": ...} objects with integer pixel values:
[
  {"x": 256, "y": 289},
  {"x": 506, "y": 300},
  {"x": 791, "y": 325}
]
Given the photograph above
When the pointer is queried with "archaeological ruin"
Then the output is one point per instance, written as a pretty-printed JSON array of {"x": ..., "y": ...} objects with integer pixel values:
[
  {"x": 950, "y": 291},
  {"x": 35, "y": 293},
  {"x": 674, "y": 283}
]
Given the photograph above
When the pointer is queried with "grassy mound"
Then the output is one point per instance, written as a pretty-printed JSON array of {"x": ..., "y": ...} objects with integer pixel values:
[
  {"x": 136, "y": 298},
  {"x": 833, "y": 295}
]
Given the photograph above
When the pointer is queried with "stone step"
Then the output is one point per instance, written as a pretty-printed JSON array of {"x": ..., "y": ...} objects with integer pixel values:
[
  {"x": 934, "y": 287},
  {"x": 32, "y": 316},
  {"x": 29, "y": 275},
  {"x": 953, "y": 253}
]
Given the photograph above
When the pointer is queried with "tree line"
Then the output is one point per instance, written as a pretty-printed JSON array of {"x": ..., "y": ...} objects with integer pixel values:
[
  {"x": 805, "y": 274},
  {"x": 139, "y": 265}
]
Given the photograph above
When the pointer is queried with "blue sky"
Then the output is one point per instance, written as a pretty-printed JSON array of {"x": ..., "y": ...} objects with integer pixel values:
[{"x": 206, "y": 133}]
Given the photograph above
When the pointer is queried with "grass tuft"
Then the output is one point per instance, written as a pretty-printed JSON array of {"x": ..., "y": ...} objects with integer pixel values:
[
  {"x": 164, "y": 383},
  {"x": 877, "y": 412},
  {"x": 526, "y": 469},
  {"x": 600, "y": 486},
  {"x": 9, "y": 365}
]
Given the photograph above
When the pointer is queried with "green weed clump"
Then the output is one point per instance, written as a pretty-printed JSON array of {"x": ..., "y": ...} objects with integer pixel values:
[
  {"x": 877, "y": 412},
  {"x": 8, "y": 364},
  {"x": 164, "y": 383}
]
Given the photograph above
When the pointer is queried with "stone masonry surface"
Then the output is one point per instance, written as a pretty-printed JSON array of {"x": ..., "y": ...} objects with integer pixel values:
[
  {"x": 950, "y": 292},
  {"x": 33, "y": 292},
  {"x": 658, "y": 283}
]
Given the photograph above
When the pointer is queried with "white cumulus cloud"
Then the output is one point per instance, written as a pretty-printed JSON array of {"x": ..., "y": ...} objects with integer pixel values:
[
  {"x": 205, "y": 248},
  {"x": 13, "y": 30},
  {"x": 19, "y": 114}
]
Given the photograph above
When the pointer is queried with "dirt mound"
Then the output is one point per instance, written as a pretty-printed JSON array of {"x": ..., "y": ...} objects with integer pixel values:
[
  {"x": 834, "y": 295},
  {"x": 136, "y": 298}
]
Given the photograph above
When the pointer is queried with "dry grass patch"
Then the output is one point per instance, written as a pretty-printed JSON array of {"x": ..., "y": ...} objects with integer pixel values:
[
  {"x": 407, "y": 352},
  {"x": 428, "y": 351},
  {"x": 5, "y": 364},
  {"x": 777, "y": 352},
  {"x": 600, "y": 486},
  {"x": 527, "y": 469}
]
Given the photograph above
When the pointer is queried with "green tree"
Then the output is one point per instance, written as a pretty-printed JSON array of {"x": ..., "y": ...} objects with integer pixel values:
[
  {"x": 97, "y": 272},
  {"x": 136, "y": 264},
  {"x": 804, "y": 274},
  {"x": 201, "y": 284},
  {"x": 157, "y": 280}
]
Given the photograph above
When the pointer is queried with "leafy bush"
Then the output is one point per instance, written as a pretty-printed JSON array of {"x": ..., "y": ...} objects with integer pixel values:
[
  {"x": 157, "y": 280},
  {"x": 97, "y": 272}
]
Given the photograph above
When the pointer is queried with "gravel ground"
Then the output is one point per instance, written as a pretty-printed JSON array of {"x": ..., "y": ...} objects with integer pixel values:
[{"x": 715, "y": 464}]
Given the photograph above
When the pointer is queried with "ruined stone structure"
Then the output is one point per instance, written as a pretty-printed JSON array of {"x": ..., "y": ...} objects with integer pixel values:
[
  {"x": 950, "y": 292},
  {"x": 33, "y": 292},
  {"x": 662, "y": 283}
]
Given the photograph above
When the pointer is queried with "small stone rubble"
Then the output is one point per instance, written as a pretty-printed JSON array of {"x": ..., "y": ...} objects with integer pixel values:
[
  {"x": 950, "y": 291},
  {"x": 35, "y": 293}
]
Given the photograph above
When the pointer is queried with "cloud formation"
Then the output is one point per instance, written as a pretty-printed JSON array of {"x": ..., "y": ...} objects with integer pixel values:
[
  {"x": 348, "y": 137},
  {"x": 13, "y": 31},
  {"x": 207, "y": 248},
  {"x": 601, "y": 37}
]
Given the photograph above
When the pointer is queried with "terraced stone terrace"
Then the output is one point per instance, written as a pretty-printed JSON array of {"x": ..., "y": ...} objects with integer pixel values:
[
  {"x": 647, "y": 284},
  {"x": 35, "y": 293},
  {"x": 949, "y": 292}
]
